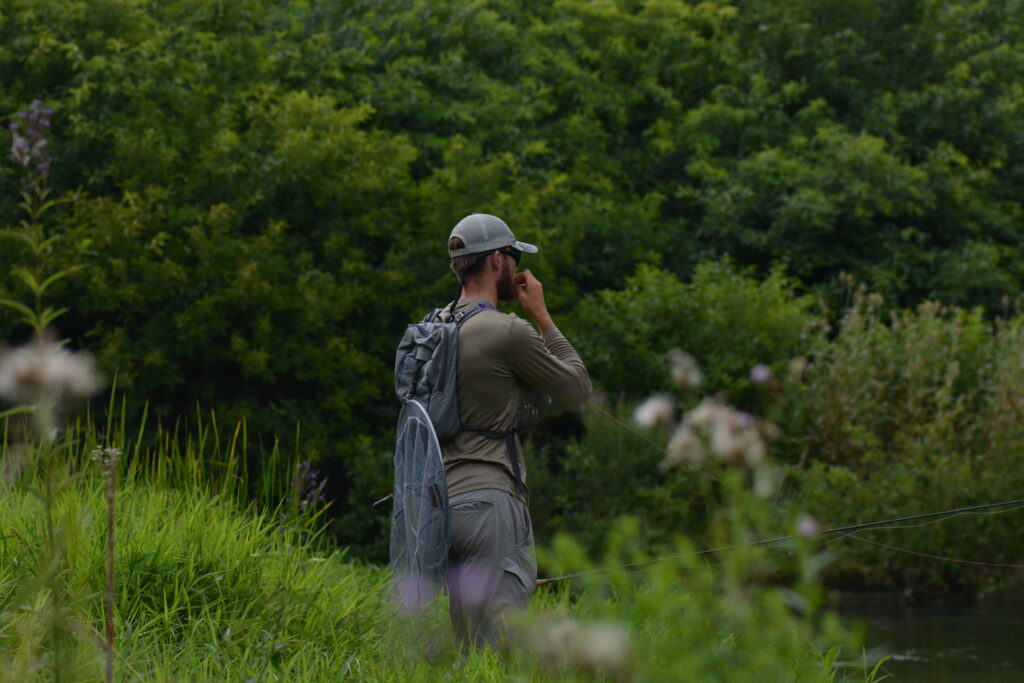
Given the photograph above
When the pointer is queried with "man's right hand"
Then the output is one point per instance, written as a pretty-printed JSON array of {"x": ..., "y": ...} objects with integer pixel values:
[{"x": 531, "y": 297}]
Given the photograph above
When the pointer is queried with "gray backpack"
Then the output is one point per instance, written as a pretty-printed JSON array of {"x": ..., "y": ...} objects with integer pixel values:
[{"x": 425, "y": 381}]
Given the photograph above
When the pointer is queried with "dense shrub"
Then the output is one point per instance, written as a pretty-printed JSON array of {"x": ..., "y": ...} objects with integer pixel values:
[
  {"x": 724, "y": 317},
  {"x": 911, "y": 412}
]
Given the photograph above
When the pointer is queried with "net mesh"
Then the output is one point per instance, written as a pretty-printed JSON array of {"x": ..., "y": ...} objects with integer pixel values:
[{"x": 421, "y": 520}]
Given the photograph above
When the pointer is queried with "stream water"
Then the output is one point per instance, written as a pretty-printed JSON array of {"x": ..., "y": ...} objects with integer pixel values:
[{"x": 945, "y": 643}]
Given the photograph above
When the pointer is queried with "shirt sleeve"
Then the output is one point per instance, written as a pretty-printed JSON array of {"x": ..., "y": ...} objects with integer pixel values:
[{"x": 549, "y": 364}]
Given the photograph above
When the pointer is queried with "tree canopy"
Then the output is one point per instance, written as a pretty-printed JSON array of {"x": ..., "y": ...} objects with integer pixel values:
[{"x": 264, "y": 187}]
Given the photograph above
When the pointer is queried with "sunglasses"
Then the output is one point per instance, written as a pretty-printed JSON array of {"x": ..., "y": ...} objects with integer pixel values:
[{"x": 514, "y": 253}]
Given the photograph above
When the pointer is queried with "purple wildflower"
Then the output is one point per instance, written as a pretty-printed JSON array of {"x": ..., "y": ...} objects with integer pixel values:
[
  {"x": 307, "y": 487},
  {"x": 29, "y": 149},
  {"x": 760, "y": 374}
]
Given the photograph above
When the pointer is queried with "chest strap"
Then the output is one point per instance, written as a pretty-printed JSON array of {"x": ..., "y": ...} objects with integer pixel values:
[{"x": 510, "y": 448}]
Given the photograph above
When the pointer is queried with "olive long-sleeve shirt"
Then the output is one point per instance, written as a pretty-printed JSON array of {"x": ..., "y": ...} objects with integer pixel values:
[{"x": 501, "y": 356}]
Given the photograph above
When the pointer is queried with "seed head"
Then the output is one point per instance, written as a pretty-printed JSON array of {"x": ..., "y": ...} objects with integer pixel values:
[
  {"x": 729, "y": 434},
  {"x": 656, "y": 410},
  {"x": 685, "y": 371},
  {"x": 684, "y": 446}
]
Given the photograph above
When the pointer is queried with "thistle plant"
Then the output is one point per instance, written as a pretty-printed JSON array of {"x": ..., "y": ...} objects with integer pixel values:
[{"x": 42, "y": 379}]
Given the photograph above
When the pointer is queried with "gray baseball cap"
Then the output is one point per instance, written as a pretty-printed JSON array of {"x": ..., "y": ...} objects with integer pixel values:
[{"x": 482, "y": 232}]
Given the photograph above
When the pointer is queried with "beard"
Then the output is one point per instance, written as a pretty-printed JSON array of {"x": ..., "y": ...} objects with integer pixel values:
[{"x": 507, "y": 284}]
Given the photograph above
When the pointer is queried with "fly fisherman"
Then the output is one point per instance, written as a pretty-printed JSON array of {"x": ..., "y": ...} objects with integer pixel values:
[{"x": 502, "y": 360}]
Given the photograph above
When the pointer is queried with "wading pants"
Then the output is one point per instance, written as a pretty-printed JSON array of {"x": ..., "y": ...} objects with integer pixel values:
[{"x": 491, "y": 567}]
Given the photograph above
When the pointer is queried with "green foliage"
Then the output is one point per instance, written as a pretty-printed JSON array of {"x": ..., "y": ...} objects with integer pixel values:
[
  {"x": 611, "y": 471},
  {"x": 263, "y": 188},
  {"x": 208, "y": 590},
  {"x": 728, "y": 320},
  {"x": 917, "y": 413}
]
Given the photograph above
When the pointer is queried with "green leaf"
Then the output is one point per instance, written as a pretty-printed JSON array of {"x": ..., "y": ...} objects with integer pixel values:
[
  {"x": 20, "y": 307},
  {"x": 17, "y": 410},
  {"x": 29, "y": 279},
  {"x": 53, "y": 278},
  {"x": 49, "y": 315}
]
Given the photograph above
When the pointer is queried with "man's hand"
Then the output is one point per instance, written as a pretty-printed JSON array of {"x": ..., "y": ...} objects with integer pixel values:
[{"x": 531, "y": 297}]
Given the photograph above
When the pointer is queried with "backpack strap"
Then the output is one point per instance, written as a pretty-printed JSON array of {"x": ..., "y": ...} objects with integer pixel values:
[
  {"x": 458, "y": 318},
  {"x": 509, "y": 436},
  {"x": 510, "y": 449},
  {"x": 432, "y": 316}
]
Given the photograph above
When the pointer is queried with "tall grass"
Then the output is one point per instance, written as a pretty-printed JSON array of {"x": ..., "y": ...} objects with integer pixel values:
[
  {"x": 209, "y": 587},
  {"x": 192, "y": 453},
  {"x": 204, "y": 590}
]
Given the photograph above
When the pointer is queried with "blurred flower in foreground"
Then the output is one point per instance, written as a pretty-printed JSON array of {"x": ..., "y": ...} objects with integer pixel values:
[
  {"x": 760, "y": 374},
  {"x": 685, "y": 371},
  {"x": 724, "y": 432},
  {"x": 657, "y": 410},
  {"x": 559, "y": 643},
  {"x": 45, "y": 370},
  {"x": 807, "y": 526},
  {"x": 44, "y": 375}
]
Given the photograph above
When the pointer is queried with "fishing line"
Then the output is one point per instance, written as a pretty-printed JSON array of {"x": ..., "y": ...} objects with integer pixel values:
[
  {"x": 664, "y": 451},
  {"x": 977, "y": 563},
  {"x": 848, "y": 530},
  {"x": 952, "y": 515},
  {"x": 646, "y": 438},
  {"x": 855, "y": 536}
]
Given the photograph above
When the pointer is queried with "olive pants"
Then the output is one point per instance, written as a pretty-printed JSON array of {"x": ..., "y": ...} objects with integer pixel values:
[{"x": 491, "y": 566}]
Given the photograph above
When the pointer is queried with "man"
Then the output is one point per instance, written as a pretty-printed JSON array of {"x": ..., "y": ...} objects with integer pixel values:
[{"x": 502, "y": 358}]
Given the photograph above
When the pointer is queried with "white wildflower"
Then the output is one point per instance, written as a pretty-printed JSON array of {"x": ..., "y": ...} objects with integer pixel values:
[
  {"x": 656, "y": 410},
  {"x": 603, "y": 648},
  {"x": 766, "y": 482},
  {"x": 684, "y": 446},
  {"x": 685, "y": 371},
  {"x": 44, "y": 370},
  {"x": 706, "y": 413},
  {"x": 726, "y": 436},
  {"x": 729, "y": 434},
  {"x": 754, "y": 451},
  {"x": 560, "y": 643}
]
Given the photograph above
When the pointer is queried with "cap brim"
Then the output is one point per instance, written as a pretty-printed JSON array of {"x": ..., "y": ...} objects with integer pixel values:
[{"x": 524, "y": 247}]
